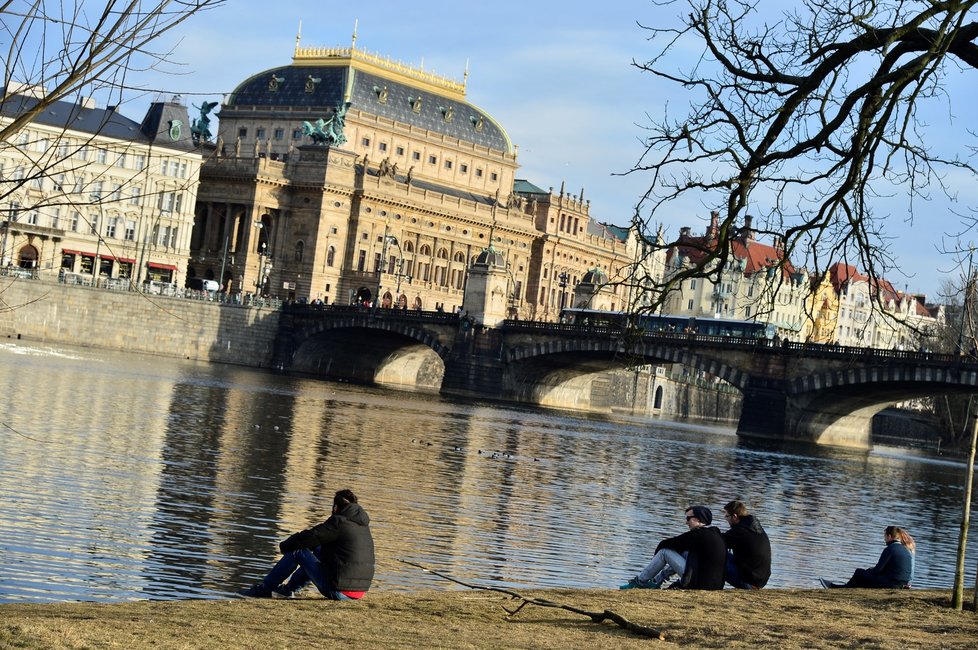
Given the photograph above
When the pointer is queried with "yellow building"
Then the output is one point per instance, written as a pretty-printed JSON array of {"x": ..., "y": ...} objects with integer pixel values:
[{"x": 348, "y": 177}]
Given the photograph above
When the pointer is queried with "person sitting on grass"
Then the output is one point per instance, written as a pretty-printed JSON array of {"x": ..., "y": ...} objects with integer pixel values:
[
  {"x": 337, "y": 556},
  {"x": 894, "y": 570},
  {"x": 749, "y": 556},
  {"x": 698, "y": 556}
]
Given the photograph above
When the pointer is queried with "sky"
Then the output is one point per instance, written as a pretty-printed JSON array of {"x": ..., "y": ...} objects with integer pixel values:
[{"x": 557, "y": 75}]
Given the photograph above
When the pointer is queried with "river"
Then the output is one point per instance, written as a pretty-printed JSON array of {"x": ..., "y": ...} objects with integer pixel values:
[{"x": 127, "y": 477}]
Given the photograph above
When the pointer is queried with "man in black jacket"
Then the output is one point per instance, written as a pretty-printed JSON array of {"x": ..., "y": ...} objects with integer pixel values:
[
  {"x": 749, "y": 557},
  {"x": 697, "y": 556},
  {"x": 337, "y": 556}
]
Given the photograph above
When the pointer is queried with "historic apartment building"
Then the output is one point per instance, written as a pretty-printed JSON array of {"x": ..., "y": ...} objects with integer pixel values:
[
  {"x": 347, "y": 177},
  {"x": 95, "y": 196},
  {"x": 842, "y": 306}
]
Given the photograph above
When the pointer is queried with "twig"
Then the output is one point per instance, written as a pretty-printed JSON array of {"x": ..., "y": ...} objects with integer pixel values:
[{"x": 596, "y": 617}]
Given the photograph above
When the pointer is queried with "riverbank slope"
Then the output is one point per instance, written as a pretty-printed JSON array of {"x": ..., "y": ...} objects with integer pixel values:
[{"x": 475, "y": 619}]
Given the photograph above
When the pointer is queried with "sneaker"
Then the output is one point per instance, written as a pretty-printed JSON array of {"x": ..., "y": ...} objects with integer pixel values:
[
  {"x": 256, "y": 591},
  {"x": 636, "y": 583},
  {"x": 283, "y": 592}
]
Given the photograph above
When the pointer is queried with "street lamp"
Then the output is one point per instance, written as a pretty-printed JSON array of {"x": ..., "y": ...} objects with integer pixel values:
[
  {"x": 98, "y": 237},
  {"x": 264, "y": 267},
  {"x": 388, "y": 239}
]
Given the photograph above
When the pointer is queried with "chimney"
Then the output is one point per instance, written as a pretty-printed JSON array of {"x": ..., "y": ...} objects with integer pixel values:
[{"x": 711, "y": 234}]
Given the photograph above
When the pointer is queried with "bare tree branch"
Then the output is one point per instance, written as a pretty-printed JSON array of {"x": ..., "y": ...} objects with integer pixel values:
[
  {"x": 803, "y": 119},
  {"x": 597, "y": 617}
]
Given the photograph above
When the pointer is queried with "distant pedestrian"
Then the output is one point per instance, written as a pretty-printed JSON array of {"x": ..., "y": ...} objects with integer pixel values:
[
  {"x": 894, "y": 569},
  {"x": 698, "y": 557},
  {"x": 337, "y": 556}
]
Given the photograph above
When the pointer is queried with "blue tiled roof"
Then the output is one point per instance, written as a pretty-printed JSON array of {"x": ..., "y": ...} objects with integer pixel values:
[{"x": 287, "y": 86}]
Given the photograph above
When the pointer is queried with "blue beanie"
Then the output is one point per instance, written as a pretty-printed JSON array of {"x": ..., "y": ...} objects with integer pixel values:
[{"x": 702, "y": 513}]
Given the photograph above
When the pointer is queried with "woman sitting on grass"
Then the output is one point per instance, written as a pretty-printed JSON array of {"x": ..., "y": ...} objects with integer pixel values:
[{"x": 894, "y": 569}]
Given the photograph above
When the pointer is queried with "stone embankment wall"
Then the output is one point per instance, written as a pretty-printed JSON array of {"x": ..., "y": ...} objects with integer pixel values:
[
  {"x": 631, "y": 392},
  {"x": 37, "y": 310}
]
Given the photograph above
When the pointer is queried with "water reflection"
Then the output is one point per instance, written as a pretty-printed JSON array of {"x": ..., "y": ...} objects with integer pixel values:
[{"x": 131, "y": 477}]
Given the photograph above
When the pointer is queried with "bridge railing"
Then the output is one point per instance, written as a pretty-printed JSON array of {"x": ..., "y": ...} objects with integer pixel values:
[
  {"x": 808, "y": 349},
  {"x": 388, "y": 313}
]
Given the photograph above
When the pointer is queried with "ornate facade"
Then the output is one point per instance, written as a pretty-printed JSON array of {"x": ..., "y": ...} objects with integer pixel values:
[{"x": 347, "y": 177}]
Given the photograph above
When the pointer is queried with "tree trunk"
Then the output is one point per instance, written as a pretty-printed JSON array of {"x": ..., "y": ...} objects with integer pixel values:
[{"x": 957, "y": 598}]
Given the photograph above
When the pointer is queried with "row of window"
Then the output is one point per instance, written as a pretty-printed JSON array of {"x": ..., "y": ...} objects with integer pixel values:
[
  {"x": 166, "y": 201},
  {"x": 278, "y": 134},
  {"x": 87, "y": 153},
  {"x": 114, "y": 226}
]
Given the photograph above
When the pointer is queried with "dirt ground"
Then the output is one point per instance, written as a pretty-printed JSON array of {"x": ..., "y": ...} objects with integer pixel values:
[{"x": 476, "y": 619}]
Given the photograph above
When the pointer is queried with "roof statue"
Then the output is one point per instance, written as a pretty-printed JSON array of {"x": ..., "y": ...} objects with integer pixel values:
[
  {"x": 328, "y": 132},
  {"x": 200, "y": 129}
]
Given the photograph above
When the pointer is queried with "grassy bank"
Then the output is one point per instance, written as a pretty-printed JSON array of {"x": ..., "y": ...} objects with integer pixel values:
[{"x": 476, "y": 619}]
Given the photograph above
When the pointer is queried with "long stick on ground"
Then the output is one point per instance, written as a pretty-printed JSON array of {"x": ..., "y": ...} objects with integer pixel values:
[{"x": 597, "y": 617}]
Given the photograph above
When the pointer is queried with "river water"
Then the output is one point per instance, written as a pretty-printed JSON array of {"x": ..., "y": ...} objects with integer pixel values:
[{"x": 128, "y": 477}]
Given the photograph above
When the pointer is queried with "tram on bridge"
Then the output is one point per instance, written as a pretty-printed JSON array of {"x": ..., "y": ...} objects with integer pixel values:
[{"x": 668, "y": 324}]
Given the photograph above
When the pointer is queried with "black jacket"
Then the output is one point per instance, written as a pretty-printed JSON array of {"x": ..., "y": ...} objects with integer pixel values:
[
  {"x": 706, "y": 558},
  {"x": 751, "y": 550},
  {"x": 347, "y": 548}
]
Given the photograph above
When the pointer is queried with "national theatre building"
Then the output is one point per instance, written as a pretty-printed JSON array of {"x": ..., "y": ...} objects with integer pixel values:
[{"x": 347, "y": 177}]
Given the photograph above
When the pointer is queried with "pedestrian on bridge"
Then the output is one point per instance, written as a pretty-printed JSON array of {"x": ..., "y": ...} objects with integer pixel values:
[{"x": 337, "y": 556}]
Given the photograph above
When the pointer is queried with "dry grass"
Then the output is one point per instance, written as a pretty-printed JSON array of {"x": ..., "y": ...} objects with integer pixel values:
[{"x": 475, "y": 619}]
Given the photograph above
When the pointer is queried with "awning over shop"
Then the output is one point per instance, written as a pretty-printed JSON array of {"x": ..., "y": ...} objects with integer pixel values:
[
  {"x": 165, "y": 267},
  {"x": 68, "y": 251}
]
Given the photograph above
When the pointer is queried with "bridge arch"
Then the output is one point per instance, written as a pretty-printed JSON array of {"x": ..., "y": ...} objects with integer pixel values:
[
  {"x": 563, "y": 372},
  {"x": 837, "y": 406},
  {"x": 371, "y": 351},
  {"x": 645, "y": 352}
]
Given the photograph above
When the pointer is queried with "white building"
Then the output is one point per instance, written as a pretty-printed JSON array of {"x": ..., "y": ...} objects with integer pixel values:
[
  {"x": 754, "y": 273},
  {"x": 90, "y": 194}
]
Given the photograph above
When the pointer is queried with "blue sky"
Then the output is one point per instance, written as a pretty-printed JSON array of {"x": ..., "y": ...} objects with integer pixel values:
[{"x": 556, "y": 75}]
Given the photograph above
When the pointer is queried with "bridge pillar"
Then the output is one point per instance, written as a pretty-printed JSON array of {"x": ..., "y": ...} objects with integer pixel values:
[
  {"x": 474, "y": 367},
  {"x": 764, "y": 410},
  {"x": 487, "y": 289}
]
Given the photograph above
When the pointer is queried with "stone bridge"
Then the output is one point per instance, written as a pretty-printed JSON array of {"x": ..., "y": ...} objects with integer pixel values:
[{"x": 819, "y": 393}]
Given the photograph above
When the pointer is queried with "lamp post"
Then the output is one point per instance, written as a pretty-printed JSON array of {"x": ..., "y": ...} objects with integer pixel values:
[
  {"x": 260, "y": 282},
  {"x": 6, "y": 229},
  {"x": 388, "y": 239},
  {"x": 98, "y": 237}
]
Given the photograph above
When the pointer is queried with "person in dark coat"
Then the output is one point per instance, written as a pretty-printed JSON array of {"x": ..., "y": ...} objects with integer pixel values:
[
  {"x": 698, "y": 556},
  {"x": 748, "y": 548},
  {"x": 895, "y": 568},
  {"x": 337, "y": 556}
]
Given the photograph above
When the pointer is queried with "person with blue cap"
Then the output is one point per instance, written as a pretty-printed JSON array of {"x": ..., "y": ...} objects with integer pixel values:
[{"x": 698, "y": 556}]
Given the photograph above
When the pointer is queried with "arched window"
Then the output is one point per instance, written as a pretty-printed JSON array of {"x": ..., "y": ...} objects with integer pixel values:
[
  {"x": 460, "y": 257},
  {"x": 408, "y": 247},
  {"x": 443, "y": 253},
  {"x": 330, "y": 255},
  {"x": 298, "y": 250},
  {"x": 425, "y": 250}
]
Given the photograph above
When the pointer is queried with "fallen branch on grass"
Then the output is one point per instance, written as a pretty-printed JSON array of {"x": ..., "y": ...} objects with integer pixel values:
[{"x": 597, "y": 617}]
